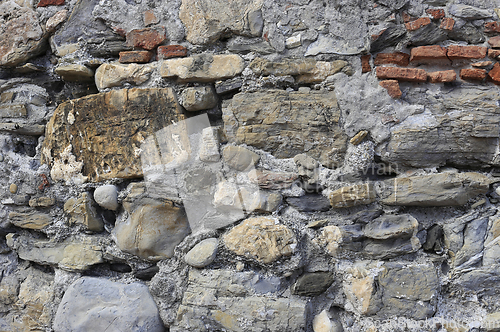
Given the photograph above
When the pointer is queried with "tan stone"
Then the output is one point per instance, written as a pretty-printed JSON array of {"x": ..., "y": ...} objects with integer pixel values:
[
  {"x": 353, "y": 195},
  {"x": 42, "y": 202},
  {"x": 272, "y": 180},
  {"x": 152, "y": 230},
  {"x": 100, "y": 135},
  {"x": 75, "y": 73},
  {"x": 239, "y": 158},
  {"x": 261, "y": 238},
  {"x": 111, "y": 75},
  {"x": 321, "y": 71},
  {"x": 54, "y": 21},
  {"x": 22, "y": 35},
  {"x": 13, "y": 111},
  {"x": 30, "y": 220},
  {"x": 208, "y": 20},
  {"x": 287, "y": 123},
  {"x": 82, "y": 212},
  {"x": 203, "y": 68},
  {"x": 331, "y": 239}
]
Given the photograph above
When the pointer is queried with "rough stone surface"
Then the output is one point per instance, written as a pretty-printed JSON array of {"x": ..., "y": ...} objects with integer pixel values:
[
  {"x": 22, "y": 35},
  {"x": 262, "y": 239},
  {"x": 111, "y": 75},
  {"x": 312, "y": 284},
  {"x": 54, "y": 21},
  {"x": 469, "y": 12},
  {"x": 199, "y": 98},
  {"x": 30, "y": 220},
  {"x": 239, "y": 157},
  {"x": 272, "y": 180},
  {"x": 203, "y": 253},
  {"x": 75, "y": 73},
  {"x": 310, "y": 203},
  {"x": 353, "y": 195},
  {"x": 91, "y": 303},
  {"x": 203, "y": 68},
  {"x": 311, "y": 121},
  {"x": 109, "y": 110},
  {"x": 82, "y": 212}
]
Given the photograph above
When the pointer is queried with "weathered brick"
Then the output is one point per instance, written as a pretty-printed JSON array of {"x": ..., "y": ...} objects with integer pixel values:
[
  {"x": 434, "y": 52},
  {"x": 150, "y": 18},
  {"x": 397, "y": 58},
  {"x": 172, "y": 51},
  {"x": 436, "y": 13},
  {"x": 392, "y": 87},
  {"x": 147, "y": 38},
  {"x": 466, "y": 52},
  {"x": 493, "y": 53},
  {"x": 418, "y": 23},
  {"x": 402, "y": 74},
  {"x": 45, "y": 3},
  {"x": 492, "y": 27},
  {"x": 494, "y": 73},
  {"x": 365, "y": 63},
  {"x": 442, "y": 76},
  {"x": 473, "y": 74},
  {"x": 407, "y": 17},
  {"x": 447, "y": 23},
  {"x": 136, "y": 56},
  {"x": 494, "y": 42}
]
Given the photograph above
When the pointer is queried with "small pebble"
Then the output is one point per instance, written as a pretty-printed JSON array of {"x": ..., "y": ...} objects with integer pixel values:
[
  {"x": 13, "y": 188},
  {"x": 1, "y": 158},
  {"x": 203, "y": 253}
]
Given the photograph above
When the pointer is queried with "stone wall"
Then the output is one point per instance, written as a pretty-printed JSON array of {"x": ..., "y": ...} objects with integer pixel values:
[{"x": 209, "y": 165}]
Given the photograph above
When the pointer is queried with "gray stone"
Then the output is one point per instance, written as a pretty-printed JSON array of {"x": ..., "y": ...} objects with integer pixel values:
[
  {"x": 89, "y": 304},
  {"x": 329, "y": 45},
  {"x": 434, "y": 240},
  {"x": 202, "y": 254},
  {"x": 391, "y": 226},
  {"x": 393, "y": 4},
  {"x": 468, "y": 33},
  {"x": 239, "y": 158},
  {"x": 312, "y": 284},
  {"x": 209, "y": 145},
  {"x": 198, "y": 98},
  {"x": 239, "y": 45},
  {"x": 309, "y": 203},
  {"x": 445, "y": 189},
  {"x": 491, "y": 244},
  {"x": 474, "y": 236},
  {"x": 17, "y": 128},
  {"x": 390, "y": 248},
  {"x": 428, "y": 35},
  {"x": 227, "y": 86},
  {"x": 13, "y": 111},
  {"x": 481, "y": 280},
  {"x": 239, "y": 198},
  {"x": 469, "y": 12},
  {"x": 390, "y": 37},
  {"x": 107, "y": 197}
]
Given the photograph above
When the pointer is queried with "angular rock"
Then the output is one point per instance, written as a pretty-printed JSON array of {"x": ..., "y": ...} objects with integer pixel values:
[
  {"x": 322, "y": 70},
  {"x": 482, "y": 64},
  {"x": 351, "y": 43},
  {"x": 22, "y": 36},
  {"x": 445, "y": 189},
  {"x": 390, "y": 37},
  {"x": 171, "y": 51},
  {"x": 74, "y": 254},
  {"x": 111, "y": 75},
  {"x": 322, "y": 323},
  {"x": 153, "y": 228},
  {"x": 203, "y": 68},
  {"x": 107, "y": 197},
  {"x": 310, "y": 203},
  {"x": 397, "y": 58},
  {"x": 209, "y": 145},
  {"x": 466, "y": 52},
  {"x": 198, "y": 98},
  {"x": 239, "y": 158},
  {"x": 75, "y": 73},
  {"x": 469, "y": 12},
  {"x": 262, "y": 239},
  {"x": 207, "y": 21},
  {"x": 428, "y": 35},
  {"x": 272, "y": 180},
  {"x": 42, "y": 202},
  {"x": 54, "y": 21},
  {"x": 390, "y": 248},
  {"x": 473, "y": 74},
  {"x": 402, "y": 74},
  {"x": 136, "y": 56},
  {"x": 13, "y": 111},
  {"x": 358, "y": 194},
  {"x": 312, "y": 284},
  {"x": 147, "y": 39},
  {"x": 202, "y": 254},
  {"x": 392, "y": 87},
  {"x": 468, "y": 33},
  {"x": 265, "y": 67},
  {"x": 491, "y": 244},
  {"x": 359, "y": 137},
  {"x": 442, "y": 76},
  {"x": 150, "y": 18},
  {"x": 390, "y": 226},
  {"x": 91, "y": 303},
  {"x": 31, "y": 130},
  {"x": 287, "y": 123},
  {"x": 121, "y": 120},
  {"x": 474, "y": 238},
  {"x": 260, "y": 46},
  {"x": 30, "y": 220},
  {"x": 418, "y": 23},
  {"x": 82, "y": 212},
  {"x": 229, "y": 196}
]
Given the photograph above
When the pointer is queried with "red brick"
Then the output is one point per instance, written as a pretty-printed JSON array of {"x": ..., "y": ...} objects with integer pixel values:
[
  {"x": 172, "y": 51},
  {"x": 482, "y": 64},
  {"x": 466, "y": 52},
  {"x": 150, "y": 18},
  {"x": 408, "y": 18},
  {"x": 447, "y": 23},
  {"x": 494, "y": 42},
  {"x": 418, "y": 23},
  {"x": 436, "y": 13},
  {"x": 45, "y": 3},
  {"x": 442, "y": 76},
  {"x": 434, "y": 52},
  {"x": 147, "y": 38},
  {"x": 493, "y": 53},
  {"x": 136, "y": 56},
  {"x": 397, "y": 58},
  {"x": 402, "y": 74},
  {"x": 473, "y": 74},
  {"x": 392, "y": 87},
  {"x": 494, "y": 73},
  {"x": 365, "y": 63},
  {"x": 492, "y": 27}
]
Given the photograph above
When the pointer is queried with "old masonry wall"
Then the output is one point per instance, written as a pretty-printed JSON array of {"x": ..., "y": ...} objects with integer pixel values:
[{"x": 237, "y": 165}]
